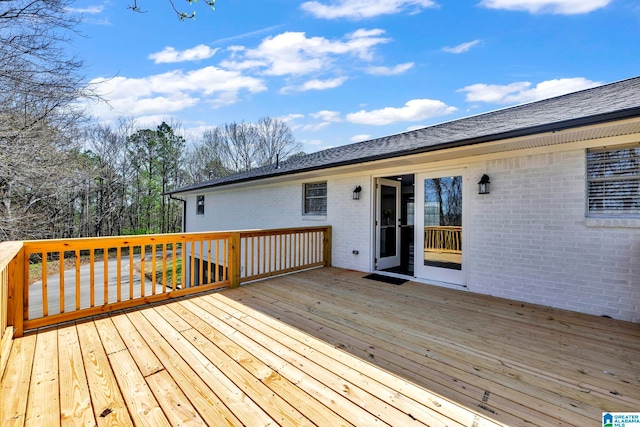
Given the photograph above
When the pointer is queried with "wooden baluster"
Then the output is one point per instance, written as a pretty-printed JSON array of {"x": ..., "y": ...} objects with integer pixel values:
[
  {"x": 209, "y": 275},
  {"x": 269, "y": 253},
  {"x": 154, "y": 268},
  {"x": 255, "y": 250},
  {"x": 92, "y": 279},
  {"x": 244, "y": 244},
  {"x": 201, "y": 265},
  {"x": 119, "y": 274},
  {"x": 174, "y": 273},
  {"x": 45, "y": 295},
  {"x": 192, "y": 265},
  {"x": 164, "y": 268},
  {"x": 217, "y": 256},
  {"x": 105, "y": 260},
  {"x": 183, "y": 250},
  {"x": 130, "y": 272},
  {"x": 76, "y": 254},
  {"x": 142, "y": 269}
]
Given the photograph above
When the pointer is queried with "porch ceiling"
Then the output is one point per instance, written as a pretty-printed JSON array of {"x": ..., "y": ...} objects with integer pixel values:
[{"x": 327, "y": 347}]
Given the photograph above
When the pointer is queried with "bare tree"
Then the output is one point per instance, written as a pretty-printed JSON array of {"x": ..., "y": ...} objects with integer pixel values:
[
  {"x": 109, "y": 164},
  {"x": 239, "y": 146},
  {"x": 244, "y": 146},
  {"x": 275, "y": 141},
  {"x": 39, "y": 178},
  {"x": 39, "y": 86},
  {"x": 37, "y": 76},
  {"x": 203, "y": 160}
]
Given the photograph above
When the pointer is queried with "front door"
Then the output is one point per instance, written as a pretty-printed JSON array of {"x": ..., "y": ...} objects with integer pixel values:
[
  {"x": 439, "y": 219},
  {"x": 387, "y": 224}
]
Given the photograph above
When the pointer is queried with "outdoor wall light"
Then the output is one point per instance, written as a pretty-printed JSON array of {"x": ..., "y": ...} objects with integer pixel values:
[
  {"x": 356, "y": 193},
  {"x": 483, "y": 184}
]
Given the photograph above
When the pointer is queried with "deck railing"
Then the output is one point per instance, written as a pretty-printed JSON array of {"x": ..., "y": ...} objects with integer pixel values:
[
  {"x": 9, "y": 265},
  {"x": 443, "y": 239},
  {"x": 52, "y": 281}
]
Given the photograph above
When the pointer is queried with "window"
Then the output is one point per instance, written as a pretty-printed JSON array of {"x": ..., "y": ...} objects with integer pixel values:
[
  {"x": 613, "y": 180},
  {"x": 315, "y": 199},
  {"x": 200, "y": 205}
]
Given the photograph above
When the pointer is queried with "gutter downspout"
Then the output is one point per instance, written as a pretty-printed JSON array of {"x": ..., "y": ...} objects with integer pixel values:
[{"x": 184, "y": 211}]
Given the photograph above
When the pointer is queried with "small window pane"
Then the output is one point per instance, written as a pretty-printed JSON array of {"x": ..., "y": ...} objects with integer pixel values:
[
  {"x": 200, "y": 205},
  {"x": 315, "y": 198},
  {"x": 613, "y": 177}
]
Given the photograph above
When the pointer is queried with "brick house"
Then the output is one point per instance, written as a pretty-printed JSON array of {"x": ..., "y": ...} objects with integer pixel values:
[{"x": 537, "y": 203}]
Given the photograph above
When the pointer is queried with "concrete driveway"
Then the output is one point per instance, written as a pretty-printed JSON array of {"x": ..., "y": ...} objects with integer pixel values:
[{"x": 53, "y": 286}]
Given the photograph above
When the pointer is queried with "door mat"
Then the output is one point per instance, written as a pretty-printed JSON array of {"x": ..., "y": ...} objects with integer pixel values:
[{"x": 386, "y": 279}]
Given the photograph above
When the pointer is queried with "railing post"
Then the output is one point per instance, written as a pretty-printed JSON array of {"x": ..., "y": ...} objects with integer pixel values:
[
  {"x": 17, "y": 289},
  {"x": 234, "y": 260},
  {"x": 326, "y": 246}
]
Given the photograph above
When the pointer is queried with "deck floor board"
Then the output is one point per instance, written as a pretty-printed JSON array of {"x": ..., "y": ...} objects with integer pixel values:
[
  {"x": 326, "y": 347},
  {"x": 455, "y": 346}
]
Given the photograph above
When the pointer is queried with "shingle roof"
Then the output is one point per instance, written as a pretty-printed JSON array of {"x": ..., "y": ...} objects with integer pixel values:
[{"x": 603, "y": 103}]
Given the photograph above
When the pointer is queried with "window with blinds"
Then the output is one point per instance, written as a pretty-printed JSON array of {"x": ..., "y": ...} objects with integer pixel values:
[
  {"x": 613, "y": 180},
  {"x": 315, "y": 198}
]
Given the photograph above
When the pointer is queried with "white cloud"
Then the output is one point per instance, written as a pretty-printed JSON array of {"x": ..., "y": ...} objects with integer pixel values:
[
  {"x": 364, "y": 33},
  {"x": 293, "y": 53},
  {"x": 558, "y": 7},
  {"x": 521, "y": 92},
  {"x": 413, "y": 111},
  {"x": 89, "y": 10},
  {"x": 314, "y": 127},
  {"x": 170, "y": 92},
  {"x": 360, "y": 138},
  {"x": 171, "y": 55},
  {"x": 317, "y": 84},
  {"x": 291, "y": 117},
  {"x": 461, "y": 48},
  {"x": 361, "y": 9},
  {"x": 327, "y": 116},
  {"x": 390, "y": 71},
  {"x": 290, "y": 120}
]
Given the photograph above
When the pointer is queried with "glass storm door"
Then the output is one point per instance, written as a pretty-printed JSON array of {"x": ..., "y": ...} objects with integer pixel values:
[
  {"x": 439, "y": 219},
  {"x": 387, "y": 224}
]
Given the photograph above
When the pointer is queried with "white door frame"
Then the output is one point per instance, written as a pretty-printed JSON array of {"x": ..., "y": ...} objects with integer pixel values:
[
  {"x": 431, "y": 274},
  {"x": 380, "y": 224}
]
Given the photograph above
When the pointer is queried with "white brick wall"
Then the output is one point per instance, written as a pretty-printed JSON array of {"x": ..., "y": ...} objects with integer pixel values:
[
  {"x": 529, "y": 239},
  {"x": 351, "y": 221},
  {"x": 280, "y": 206}
]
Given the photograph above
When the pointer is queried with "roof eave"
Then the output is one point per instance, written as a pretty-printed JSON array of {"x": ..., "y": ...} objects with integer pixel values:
[{"x": 517, "y": 133}]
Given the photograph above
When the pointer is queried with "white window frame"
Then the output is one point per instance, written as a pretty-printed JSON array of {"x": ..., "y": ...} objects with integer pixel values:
[
  {"x": 306, "y": 197},
  {"x": 613, "y": 181}
]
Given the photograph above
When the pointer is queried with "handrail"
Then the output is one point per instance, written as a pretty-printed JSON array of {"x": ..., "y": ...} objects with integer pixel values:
[
  {"x": 443, "y": 239},
  {"x": 267, "y": 253},
  {"x": 62, "y": 280},
  {"x": 10, "y": 252}
]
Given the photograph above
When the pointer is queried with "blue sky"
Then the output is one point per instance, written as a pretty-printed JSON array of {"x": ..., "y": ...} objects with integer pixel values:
[{"x": 341, "y": 71}]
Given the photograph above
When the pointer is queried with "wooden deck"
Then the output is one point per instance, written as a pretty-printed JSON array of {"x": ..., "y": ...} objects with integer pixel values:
[{"x": 326, "y": 347}]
